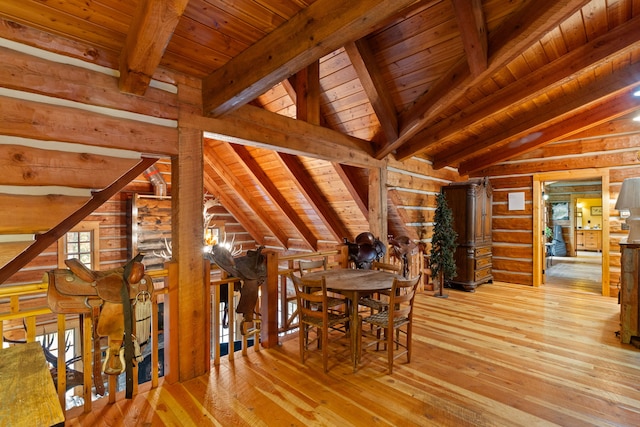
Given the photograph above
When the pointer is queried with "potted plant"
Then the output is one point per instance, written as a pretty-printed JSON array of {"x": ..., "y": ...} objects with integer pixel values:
[{"x": 443, "y": 244}]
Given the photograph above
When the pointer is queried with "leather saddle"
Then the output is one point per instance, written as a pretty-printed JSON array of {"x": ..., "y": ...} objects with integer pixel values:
[
  {"x": 107, "y": 296},
  {"x": 365, "y": 250},
  {"x": 75, "y": 288}
]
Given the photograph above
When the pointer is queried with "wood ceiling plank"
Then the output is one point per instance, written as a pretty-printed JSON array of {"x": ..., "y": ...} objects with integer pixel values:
[
  {"x": 279, "y": 199},
  {"x": 374, "y": 86},
  {"x": 42, "y": 16},
  {"x": 470, "y": 19},
  {"x": 231, "y": 205},
  {"x": 224, "y": 172},
  {"x": 9, "y": 250},
  {"x": 149, "y": 33},
  {"x": 360, "y": 195},
  {"x": 617, "y": 42},
  {"x": 319, "y": 29},
  {"x": 533, "y": 21},
  {"x": 615, "y": 106},
  {"x": 300, "y": 177}
]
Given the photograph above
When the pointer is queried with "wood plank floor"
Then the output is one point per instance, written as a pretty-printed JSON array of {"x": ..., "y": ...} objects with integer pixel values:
[{"x": 505, "y": 355}]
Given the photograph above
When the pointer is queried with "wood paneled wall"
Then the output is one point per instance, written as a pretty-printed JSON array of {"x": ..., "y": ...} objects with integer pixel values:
[{"x": 513, "y": 230}]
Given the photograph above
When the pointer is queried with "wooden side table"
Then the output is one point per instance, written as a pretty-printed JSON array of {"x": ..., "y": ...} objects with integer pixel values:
[
  {"x": 629, "y": 307},
  {"x": 27, "y": 393}
]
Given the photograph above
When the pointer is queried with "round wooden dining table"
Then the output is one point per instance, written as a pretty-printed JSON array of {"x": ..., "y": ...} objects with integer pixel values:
[{"x": 354, "y": 283}]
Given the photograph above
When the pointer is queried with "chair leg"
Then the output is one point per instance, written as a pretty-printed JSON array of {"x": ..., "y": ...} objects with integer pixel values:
[
  {"x": 389, "y": 335},
  {"x": 302, "y": 337},
  {"x": 325, "y": 350}
]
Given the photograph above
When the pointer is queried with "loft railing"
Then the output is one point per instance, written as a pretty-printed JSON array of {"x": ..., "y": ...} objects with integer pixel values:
[{"x": 25, "y": 307}]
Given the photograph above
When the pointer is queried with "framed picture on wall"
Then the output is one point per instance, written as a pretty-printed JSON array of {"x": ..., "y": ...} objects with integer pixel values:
[
  {"x": 596, "y": 210},
  {"x": 560, "y": 211}
]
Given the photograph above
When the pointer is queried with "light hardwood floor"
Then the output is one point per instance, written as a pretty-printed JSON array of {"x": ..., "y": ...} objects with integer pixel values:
[
  {"x": 505, "y": 355},
  {"x": 582, "y": 272}
]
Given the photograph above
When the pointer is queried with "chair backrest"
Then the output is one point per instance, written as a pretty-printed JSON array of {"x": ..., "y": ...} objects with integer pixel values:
[
  {"x": 401, "y": 298},
  {"x": 385, "y": 266},
  {"x": 311, "y": 304},
  {"x": 307, "y": 266}
]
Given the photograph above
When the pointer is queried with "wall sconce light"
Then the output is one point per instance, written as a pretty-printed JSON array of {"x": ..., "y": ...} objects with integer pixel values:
[
  {"x": 629, "y": 199},
  {"x": 545, "y": 196}
]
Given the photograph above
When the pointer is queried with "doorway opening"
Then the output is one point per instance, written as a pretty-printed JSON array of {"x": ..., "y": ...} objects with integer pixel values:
[
  {"x": 573, "y": 230},
  {"x": 571, "y": 220}
]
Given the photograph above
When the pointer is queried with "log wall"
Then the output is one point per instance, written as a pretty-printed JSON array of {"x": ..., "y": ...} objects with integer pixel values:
[{"x": 512, "y": 231}]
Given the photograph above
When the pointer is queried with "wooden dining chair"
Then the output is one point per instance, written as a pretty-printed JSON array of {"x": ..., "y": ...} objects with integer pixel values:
[
  {"x": 380, "y": 300},
  {"x": 307, "y": 266},
  {"x": 390, "y": 326},
  {"x": 314, "y": 312}
]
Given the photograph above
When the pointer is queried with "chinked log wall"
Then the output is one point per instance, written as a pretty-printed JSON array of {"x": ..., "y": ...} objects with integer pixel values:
[{"x": 513, "y": 231}]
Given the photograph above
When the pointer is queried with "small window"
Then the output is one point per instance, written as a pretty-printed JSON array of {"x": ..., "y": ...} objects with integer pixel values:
[{"x": 80, "y": 243}]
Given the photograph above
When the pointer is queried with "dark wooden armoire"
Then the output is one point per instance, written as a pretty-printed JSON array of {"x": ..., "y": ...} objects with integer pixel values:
[{"x": 470, "y": 203}]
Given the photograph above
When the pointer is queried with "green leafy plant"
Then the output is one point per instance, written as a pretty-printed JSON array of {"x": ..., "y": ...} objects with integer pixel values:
[
  {"x": 548, "y": 233},
  {"x": 443, "y": 242}
]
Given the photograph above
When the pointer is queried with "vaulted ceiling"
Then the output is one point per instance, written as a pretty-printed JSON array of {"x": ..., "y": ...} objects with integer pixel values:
[{"x": 461, "y": 83}]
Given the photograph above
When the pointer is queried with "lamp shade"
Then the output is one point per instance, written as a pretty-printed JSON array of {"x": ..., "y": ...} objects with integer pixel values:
[
  {"x": 629, "y": 199},
  {"x": 629, "y": 196}
]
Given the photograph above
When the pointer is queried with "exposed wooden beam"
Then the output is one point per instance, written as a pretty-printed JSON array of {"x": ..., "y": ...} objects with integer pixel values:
[
  {"x": 149, "y": 34},
  {"x": 370, "y": 77},
  {"x": 618, "y": 41},
  {"x": 315, "y": 198},
  {"x": 225, "y": 173},
  {"x": 359, "y": 195},
  {"x": 44, "y": 240},
  {"x": 321, "y": 28},
  {"x": 256, "y": 127},
  {"x": 394, "y": 201},
  {"x": 525, "y": 127},
  {"x": 252, "y": 167},
  {"x": 615, "y": 106},
  {"x": 231, "y": 205},
  {"x": 307, "y": 88},
  {"x": 46, "y": 122},
  {"x": 534, "y": 20},
  {"x": 473, "y": 29}
]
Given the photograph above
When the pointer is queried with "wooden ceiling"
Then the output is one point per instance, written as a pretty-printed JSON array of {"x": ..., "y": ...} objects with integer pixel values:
[{"x": 462, "y": 83}]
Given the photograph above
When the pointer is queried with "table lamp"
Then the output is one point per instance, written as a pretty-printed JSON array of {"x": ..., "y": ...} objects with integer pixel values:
[{"x": 629, "y": 199}]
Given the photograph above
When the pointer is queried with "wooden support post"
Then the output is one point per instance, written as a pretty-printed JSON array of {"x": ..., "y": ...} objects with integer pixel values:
[
  {"x": 269, "y": 302},
  {"x": 378, "y": 203}
]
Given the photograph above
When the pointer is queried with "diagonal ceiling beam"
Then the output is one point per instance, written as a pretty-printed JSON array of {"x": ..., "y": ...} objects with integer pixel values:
[
  {"x": 618, "y": 41},
  {"x": 258, "y": 175},
  {"x": 359, "y": 195},
  {"x": 149, "y": 34},
  {"x": 230, "y": 204},
  {"x": 321, "y": 28},
  {"x": 370, "y": 77},
  {"x": 518, "y": 33},
  {"x": 300, "y": 177},
  {"x": 227, "y": 175},
  {"x": 473, "y": 29},
  {"x": 617, "y": 106},
  {"x": 44, "y": 240}
]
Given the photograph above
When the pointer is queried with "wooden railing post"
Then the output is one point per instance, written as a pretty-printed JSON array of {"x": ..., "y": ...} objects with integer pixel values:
[
  {"x": 343, "y": 256},
  {"x": 269, "y": 302},
  {"x": 171, "y": 371}
]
